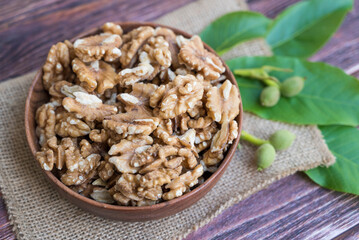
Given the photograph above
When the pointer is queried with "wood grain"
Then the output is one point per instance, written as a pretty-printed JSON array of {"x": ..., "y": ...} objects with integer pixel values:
[
  {"x": 5, "y": 227},
  {"x": 292, "y": 208},
  {"x": 342, "y": 50},
  {"x": 29, "y": 28}
]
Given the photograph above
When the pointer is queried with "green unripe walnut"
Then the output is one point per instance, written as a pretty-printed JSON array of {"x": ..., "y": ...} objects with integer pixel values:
[
  {"x": 282, "y": 139},
  {"x": 270, "y": 96},
  {"x": 265, "y": 155},
  {"x": 292, "y": 86}
]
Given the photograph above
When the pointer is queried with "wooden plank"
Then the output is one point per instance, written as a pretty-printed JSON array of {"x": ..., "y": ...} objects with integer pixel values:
[
  {"x": 29, "y": 28},
  {"x": 352, "y": 233},
  {"x": 342, "y": 50},
  {"x": 270, "y": 8},
  {"x": 5, "y": 227},
  {"x": 292, "y": 208}
]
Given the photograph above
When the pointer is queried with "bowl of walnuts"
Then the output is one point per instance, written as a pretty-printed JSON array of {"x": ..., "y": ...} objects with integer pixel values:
[{"x": 133, "y": 121}]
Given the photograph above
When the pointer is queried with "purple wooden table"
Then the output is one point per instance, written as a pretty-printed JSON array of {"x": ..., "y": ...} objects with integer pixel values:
[{"x": 292, "y": 208}]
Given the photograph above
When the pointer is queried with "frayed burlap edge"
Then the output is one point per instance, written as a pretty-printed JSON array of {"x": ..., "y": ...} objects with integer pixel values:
[
  {"x": 327, "y": 160},
  {"x": 326, "y": 163},
  {"x": 11, "y": 206},
  {"x": 263, "y": 49}
]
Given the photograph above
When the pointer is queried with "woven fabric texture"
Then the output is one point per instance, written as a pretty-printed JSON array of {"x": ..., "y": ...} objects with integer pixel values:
[{"x": 37, "y": 212}]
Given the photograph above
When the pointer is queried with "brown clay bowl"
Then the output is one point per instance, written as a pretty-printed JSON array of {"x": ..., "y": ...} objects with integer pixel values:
[{"x": 37, "y": 96}]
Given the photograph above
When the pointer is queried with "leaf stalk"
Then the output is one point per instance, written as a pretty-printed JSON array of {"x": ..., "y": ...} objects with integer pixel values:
[{"x": 252, "y": 139}]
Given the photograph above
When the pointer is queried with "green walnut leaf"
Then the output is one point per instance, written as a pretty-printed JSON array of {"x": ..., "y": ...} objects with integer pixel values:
[
  {"x": 233, "y": 28},
  {"x": 303, "y": 28},
  {"x": 329, "y": 95},
  {"x": 342, "y": 176}
]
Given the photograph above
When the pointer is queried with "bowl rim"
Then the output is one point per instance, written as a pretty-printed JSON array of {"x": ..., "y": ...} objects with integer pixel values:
[{"x": 222, "y": 167}]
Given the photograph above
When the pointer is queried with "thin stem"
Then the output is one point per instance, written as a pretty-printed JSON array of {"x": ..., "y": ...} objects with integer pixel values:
[
  {"x": 252, "y": 139},
  {"x": 270, "y": 82}
]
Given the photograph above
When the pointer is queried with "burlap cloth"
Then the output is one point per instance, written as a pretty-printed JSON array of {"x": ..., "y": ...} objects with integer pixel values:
[{"x": 37, "y": 212}]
